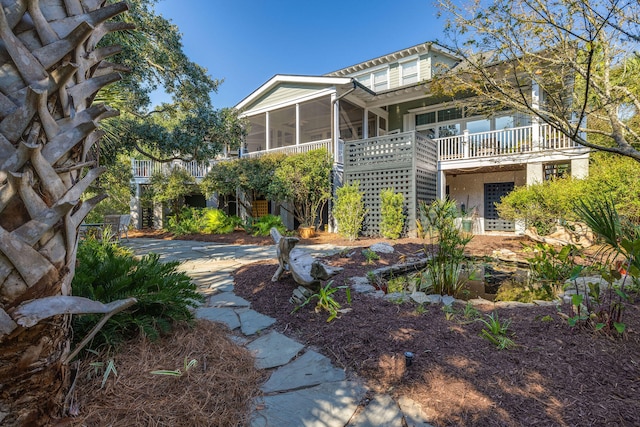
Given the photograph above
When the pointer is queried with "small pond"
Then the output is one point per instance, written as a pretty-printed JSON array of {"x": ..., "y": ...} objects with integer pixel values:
[{"x": 484, "y": 278}]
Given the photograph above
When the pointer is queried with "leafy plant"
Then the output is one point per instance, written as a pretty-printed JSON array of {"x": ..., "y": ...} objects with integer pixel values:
[
  {"x": 495, "y": 331},
  {"x": 326, "y": 300},
  {"x": 187, "y": 221},
  {"x": 304, "y": 180},
  {"x": 619, "y": 264},
  {"x": 445, "y": 251},
  {"x": 218, "y": 222},
  {"x": 349, "y": 210},
  {"x": 370, "y": 256},
  {"x": 106, "y": 272},
  {"x": 172, "y": 186},
  {"x": 188, "y": 365},
  {"x": 263, "y": 225},
  {"x": 551, "y": 267},
  {"x": 392, "y": 213}
]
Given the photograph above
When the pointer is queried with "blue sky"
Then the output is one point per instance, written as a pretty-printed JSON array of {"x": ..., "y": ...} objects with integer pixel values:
[{"x": 247, "y": 42}]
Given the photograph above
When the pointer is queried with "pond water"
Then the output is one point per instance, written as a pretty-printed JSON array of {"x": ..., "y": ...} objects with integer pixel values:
[
  {"x": 487, "y": 278},
  {"x": 483, "y": 279}
]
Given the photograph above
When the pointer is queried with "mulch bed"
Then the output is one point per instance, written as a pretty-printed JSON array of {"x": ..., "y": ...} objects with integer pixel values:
[
  {"x": 556, "y": 376},
  {"x": 217, "y": 391}
]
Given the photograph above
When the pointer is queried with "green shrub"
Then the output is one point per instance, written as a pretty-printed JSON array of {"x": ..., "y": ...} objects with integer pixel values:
[
  {"x": 349, "y": 210},
  {"x": 106, "y": 272},
  {"x": 262, "y": 227},
  {"x": 218, "y": 222},
  {"x": 187, "y": 221},
  {"x": 391, "y": 212}
]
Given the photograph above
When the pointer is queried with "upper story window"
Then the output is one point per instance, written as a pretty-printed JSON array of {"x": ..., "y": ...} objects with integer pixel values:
[
  {"x": 381, "y": 80},
  {"x": 409, "y": 72},
  {"x": 375, "y": 80}
]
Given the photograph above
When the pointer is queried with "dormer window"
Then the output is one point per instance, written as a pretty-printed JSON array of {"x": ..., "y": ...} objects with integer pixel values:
[
  {"x": 375, "y": 80},
  {"x": 409, "y": 72}
]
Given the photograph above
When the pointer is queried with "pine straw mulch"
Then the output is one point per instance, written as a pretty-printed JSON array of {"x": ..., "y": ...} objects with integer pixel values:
[
  {"x": 556, "y": 376},
  {"x": 216, "y": 392}
]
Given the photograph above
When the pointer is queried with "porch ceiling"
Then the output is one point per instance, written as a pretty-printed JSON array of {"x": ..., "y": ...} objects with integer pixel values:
[{"x": 485, "y": 169}]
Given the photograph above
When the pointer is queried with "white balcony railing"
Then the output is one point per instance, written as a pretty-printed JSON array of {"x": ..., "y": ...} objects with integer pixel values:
[
  {"x": 146, "y": 168},
  {"x": 512, "y": 141},
  {"x": 294, "y": 149},
  {"x": 521, "y": 140}
]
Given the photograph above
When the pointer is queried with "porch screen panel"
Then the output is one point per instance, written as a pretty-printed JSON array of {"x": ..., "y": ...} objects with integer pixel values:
[
  {"x": 351, "y": 121},
  {"x": 282, "y": 127},
  {"x": 315, "y": 120},
  {"x": 256, "y": 139}
]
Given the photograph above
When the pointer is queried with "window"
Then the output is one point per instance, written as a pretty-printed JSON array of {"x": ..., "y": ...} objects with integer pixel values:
[
  {"x": 426, "y": 118},
  {"x": 380, "y": 80},
  {"x": 409, "y": 72},
  {"x": 556, "y": 170},
  {"x": 449, "y": 114},
  {"x": 375, "y": 80}
]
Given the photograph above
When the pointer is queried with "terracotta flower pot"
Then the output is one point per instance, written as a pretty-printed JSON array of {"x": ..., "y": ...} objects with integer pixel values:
[{"x": 306, "y": 232}]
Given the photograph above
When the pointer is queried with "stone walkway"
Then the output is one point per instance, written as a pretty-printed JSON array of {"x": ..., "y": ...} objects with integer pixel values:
[{"x": 304, "y": 388}]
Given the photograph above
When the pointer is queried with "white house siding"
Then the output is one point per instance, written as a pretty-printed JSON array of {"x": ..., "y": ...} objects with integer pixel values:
[
  {"x": 425, "y": 67},
  {"x": 394, "y": 75},
  {"x": 284, "y": 93}
]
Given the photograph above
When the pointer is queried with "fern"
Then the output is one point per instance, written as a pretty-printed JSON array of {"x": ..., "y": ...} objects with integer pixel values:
[{"x": 107, "y": 272}]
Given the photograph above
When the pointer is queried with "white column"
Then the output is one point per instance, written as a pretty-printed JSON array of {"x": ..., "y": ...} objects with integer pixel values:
[
  {"x": 297, "y": 124},
  {"x": 365, "y": 124},
  {"x": 535, "y": 120},
  {"x": 580, "y": 168},
  {"x": 267, "y": 132},
  {"x": 135, "y": 208},
  {"x": 535, "y": 173},
  {"x": 441, "y": 192}
]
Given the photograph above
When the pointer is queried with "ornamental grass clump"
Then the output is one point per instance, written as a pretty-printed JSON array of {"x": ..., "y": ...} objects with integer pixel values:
[{"x": 445, "y": 249}]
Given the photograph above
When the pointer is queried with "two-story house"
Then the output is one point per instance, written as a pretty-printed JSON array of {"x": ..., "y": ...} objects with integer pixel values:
[{"x": 385, "y": 126}]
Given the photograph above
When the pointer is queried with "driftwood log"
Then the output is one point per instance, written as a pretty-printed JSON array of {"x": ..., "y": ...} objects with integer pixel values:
[{"x": 305, "y": 269}]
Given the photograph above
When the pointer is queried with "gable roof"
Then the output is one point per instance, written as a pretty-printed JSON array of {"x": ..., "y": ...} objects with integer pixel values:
[
  {"x": 418, "y": 49},
  {"x": 279, "y": 79}
]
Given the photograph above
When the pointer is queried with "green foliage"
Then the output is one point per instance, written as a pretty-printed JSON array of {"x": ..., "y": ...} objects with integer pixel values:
[
  {"x": 304, "y": 180},
  {"x": 349, "y": 210},
  {"x": 620, "y": 264},
  {"x": 107, "y": 272},
  {"x": 263, "y": 226},
  {"x": 545, "y": 205},
  {"x": 392, "y": 213},
  {"x": 495, "y": 331},
  {"x": 326, "y": 300},
  {"x": 188, "y": 127},
  {"x": 187, "y": 221},
  {"x": 252, "y": 176},
  {"x": 445, "y": 251},
  {"x": 115, "y": 183},
  {"x": 172, "y": 186},
  {"x": 551, "y": 267},
  {"x": 218, "y": 222},
  {"x": 370, "y": 256}
]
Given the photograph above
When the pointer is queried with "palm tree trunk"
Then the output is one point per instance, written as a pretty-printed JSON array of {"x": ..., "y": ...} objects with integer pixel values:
[{"x": 50, "y": 70}]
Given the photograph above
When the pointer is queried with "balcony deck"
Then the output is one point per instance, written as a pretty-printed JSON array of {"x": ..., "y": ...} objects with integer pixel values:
[{"x": 515, "y": 145}]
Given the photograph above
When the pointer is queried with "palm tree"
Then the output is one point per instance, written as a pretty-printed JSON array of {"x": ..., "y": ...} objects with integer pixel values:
[{"x": 51, "y": 67}]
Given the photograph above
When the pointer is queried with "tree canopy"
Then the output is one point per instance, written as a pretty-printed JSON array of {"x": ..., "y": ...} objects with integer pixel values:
[
  {"x": 581, "y": 54},
  {"x": 188, "y": 127}
]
